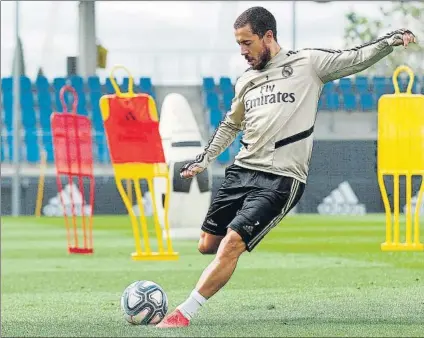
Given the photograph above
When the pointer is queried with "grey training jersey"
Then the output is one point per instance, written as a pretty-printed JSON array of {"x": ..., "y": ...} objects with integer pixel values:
[{"x": 276, "y": 107}]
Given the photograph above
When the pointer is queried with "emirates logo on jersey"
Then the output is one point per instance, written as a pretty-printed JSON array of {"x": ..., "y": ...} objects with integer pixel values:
[
  {"x": 268, "y": 97},
  {"x": 263, "y": 100}
]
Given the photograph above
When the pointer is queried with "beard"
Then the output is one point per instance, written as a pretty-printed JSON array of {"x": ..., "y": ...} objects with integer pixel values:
[{"x": 263, "y": 59}]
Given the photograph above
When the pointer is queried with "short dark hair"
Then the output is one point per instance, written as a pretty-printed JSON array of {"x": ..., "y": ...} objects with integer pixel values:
[{"x": 260, "y": 20}]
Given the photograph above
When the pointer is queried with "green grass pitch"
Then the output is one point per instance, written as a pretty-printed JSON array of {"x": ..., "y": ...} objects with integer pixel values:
[{"x": 312, "y": 276}]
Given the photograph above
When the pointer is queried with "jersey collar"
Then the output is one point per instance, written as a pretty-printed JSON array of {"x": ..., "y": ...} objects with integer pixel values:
[{"x": 280, "y": 56}]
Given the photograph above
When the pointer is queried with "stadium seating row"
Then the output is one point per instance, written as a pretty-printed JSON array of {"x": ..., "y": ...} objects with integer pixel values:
[
  {"x": 347, "y": 94},
  {"x": 39, "y": 99}
]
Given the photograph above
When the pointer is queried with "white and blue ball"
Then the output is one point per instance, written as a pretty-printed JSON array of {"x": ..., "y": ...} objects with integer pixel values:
[{"x": 143, "y": 303}]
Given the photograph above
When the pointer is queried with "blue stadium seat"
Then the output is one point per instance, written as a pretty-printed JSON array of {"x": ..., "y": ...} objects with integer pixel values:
[
  {"x": 366, "y": 101},
  {"x": 333, "y": 102},
  {"x": 361, "y": 84},
  {"x": 236, "y": 145},
  {"x": 48, "y": 146},
  {"x": 225, "y": 84},
  {"x": 44, "y": 102},
  {"x": 108, "y": 86},
  {"x": 208, "y": 84},
  {"x": 387, "y": 86},
  {"x": 416, "y": 85},
  {"x": 349, "y": 101},
  {"x": 146, "y": 86},
  {"x": 124, "y": 85},
  {"x": 93, "y": 83},
  {"x": 10, "y": 147},
  {"x": 96, "y": 115},
  {"x": 329, "y": 88},
  {"x": 45, "y": 107},
  {"x": 347, "y": 92},
  {"x": 78, "y": 83},
  {"x": 9, "y": 138},
  {"x": 212, "y": 100},
  {"x": 382, "y": 85},
  {"x": 101, "y": 152},
  {"x": 42, "y": 83},
  {"x": 228, "y": 98},
  {"x": 3, "y": 158},
  {"x": 58, "y": 83},
  {"x": 390, "y": 87},
  {"x": 224, "y": 157},
  {"x": 345, "y": 86},
  {"x": 6, "y": 86},
  {"x": 215, "y": 117},
  {"x": 380, "y": 89},
  {"x": 25, "y": 84},
  {"x": 31, "y": 143},
  {"x": 27, "y": 103}
]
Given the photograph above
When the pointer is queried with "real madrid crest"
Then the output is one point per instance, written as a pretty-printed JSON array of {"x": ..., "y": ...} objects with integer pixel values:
[{"x": 287, "y": 71}]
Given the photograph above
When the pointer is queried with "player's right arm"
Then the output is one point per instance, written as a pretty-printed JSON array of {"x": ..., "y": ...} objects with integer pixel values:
[{"x": 223, "y": 136}]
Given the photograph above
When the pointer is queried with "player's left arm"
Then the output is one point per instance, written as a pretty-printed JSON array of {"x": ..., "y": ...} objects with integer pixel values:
[{"x": 330, "y": 65}]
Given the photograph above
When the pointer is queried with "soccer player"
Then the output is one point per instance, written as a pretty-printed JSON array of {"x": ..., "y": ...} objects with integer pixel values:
[{"x": 275, "y": 105}]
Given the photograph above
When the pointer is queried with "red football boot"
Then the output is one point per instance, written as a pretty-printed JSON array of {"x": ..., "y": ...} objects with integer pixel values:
[{"x": 174, "y": 319}]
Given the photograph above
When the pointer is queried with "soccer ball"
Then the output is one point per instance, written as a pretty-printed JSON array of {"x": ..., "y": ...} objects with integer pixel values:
[{"x": 143, "y": 303}]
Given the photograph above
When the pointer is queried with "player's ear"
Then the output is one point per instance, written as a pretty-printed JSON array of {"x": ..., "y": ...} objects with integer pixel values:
[{"x": 269, "y": 36}]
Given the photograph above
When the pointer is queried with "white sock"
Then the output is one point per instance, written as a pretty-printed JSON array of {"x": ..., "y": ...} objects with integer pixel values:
[{"x": 193, "y": 303}]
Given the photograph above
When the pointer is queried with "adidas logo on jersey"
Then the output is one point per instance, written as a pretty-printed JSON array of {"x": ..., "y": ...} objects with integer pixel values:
[
  {"x": 55, "y": 208},
  {"x": 341, "y": 201},
  {"x": 248, "y": 229}
]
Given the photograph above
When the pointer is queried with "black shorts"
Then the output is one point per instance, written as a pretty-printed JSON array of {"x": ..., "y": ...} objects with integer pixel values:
[{"x": 251, "y": 203}]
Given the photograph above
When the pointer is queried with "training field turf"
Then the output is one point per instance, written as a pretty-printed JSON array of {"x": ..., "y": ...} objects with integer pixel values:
[{"x": 312, "y": 276}]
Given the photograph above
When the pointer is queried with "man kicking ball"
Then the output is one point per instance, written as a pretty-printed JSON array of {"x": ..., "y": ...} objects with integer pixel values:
[{"x": 275, "y": 105}]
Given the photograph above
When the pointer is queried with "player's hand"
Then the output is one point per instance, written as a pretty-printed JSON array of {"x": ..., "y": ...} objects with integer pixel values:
[
  {"x": 404, "y": 37},
  {"x": 190, "y": 170}
]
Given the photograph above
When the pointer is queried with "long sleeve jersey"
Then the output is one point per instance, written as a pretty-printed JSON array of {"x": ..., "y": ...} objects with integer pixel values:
[{"x": 276, "y": 107}]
